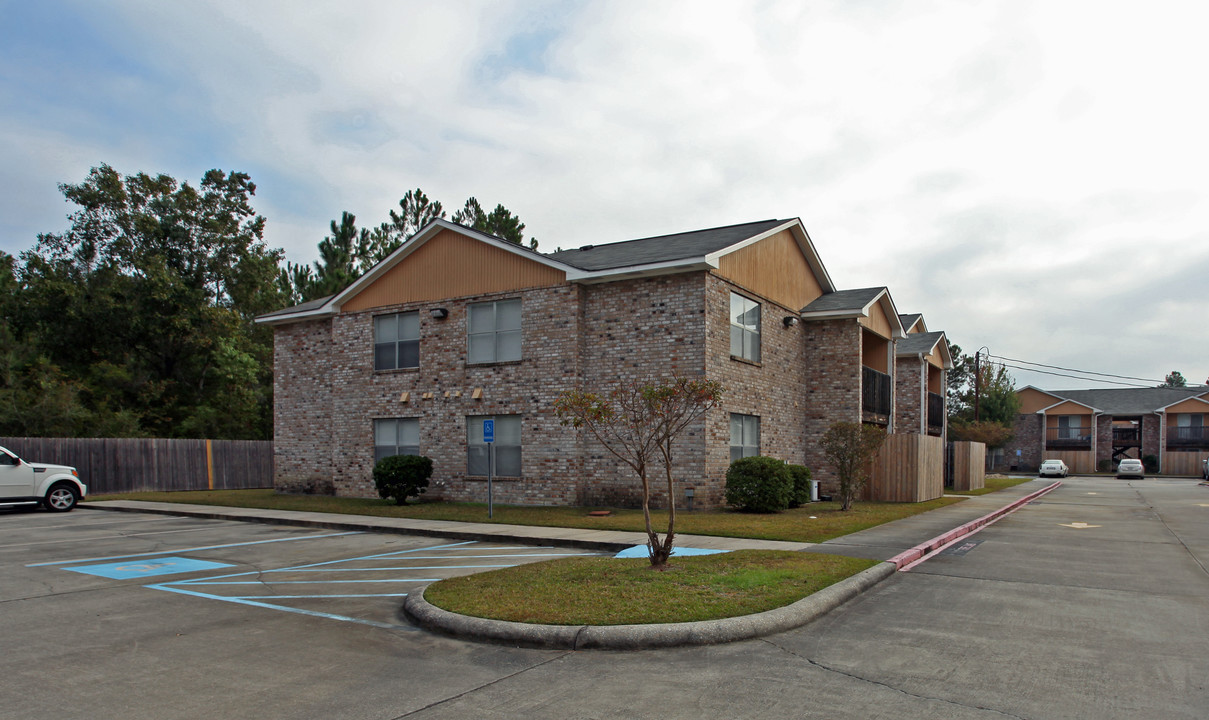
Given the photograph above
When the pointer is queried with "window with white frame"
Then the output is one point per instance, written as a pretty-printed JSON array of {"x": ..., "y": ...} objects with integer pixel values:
[
  {"x": 507, "y": 446},
  {"x": 744, "y": 436},
  {"x": 744, "y": 328},
  {"x": 396, "y": 436},
  {"x": 397, "y": 341},
  {"x": 494, "y": 331}
]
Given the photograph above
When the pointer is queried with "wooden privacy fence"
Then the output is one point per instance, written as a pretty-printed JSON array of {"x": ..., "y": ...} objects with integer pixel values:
[
  {"x": 967, "y": 465},
  {"x": 908, "y": 468},
  {"x": 114, "y": 465}
]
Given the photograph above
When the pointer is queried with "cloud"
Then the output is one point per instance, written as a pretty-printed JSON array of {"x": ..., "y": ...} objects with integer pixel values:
[{"x": 1008, "y": 169}]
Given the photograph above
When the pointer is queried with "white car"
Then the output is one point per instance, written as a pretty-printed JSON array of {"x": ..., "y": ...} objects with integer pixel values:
[
  {"x": 1205, "y": 468},
  {"x": 1130, "y": 468},
  {"x": 1056, "y": 468},
  {"x": 55, "y": 487}
]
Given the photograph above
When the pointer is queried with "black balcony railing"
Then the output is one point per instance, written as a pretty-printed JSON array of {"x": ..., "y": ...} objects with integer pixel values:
[
  {"x": 1126, "y": 437},
  {"x": 1187, "y": 437},
  {"x": 936, "y": 413},
  {"x": 875, "y": 393},
  {"x": 1072, "y": 438}
]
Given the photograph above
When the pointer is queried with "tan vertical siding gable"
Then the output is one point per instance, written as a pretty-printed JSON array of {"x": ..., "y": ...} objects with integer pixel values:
[
  {"x": 775, "y": 268},
  {"x": 452, "y": 265}
]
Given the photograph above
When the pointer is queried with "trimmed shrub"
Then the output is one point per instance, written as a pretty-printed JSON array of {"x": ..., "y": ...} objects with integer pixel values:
[
  {"x": 1151, "y": 464},
  {"x": 759, "y": 484},
  {"x": 1104, "y": 466},
  {"x": 801, "y": 485},
  {"x": 402, "y": 476}
]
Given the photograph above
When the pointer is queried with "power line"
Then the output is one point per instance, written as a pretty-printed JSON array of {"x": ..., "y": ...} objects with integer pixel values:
[
  {"x": 1081, "y": 372},
  {"x": 1076, "y": 377}
]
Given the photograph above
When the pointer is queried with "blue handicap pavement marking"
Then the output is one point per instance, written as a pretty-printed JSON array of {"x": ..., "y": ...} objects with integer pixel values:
[
  {"x": 147, "y": 567},
  {"x": 640, "y": 551}
]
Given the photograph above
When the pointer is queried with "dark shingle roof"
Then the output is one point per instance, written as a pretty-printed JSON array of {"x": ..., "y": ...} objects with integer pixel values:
[
  {"x": 843, "y": 300},
  {"x": 909, "y": 320},
  {"x": 1129, "y": 401},
  {"x": 918, "y": 343},
  {"x": 661, "y": 248}
]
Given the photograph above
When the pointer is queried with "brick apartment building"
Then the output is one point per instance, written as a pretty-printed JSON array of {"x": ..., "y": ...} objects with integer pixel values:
[
  {"x": 457, "y": 326},
  {"x": 1092, "y": 430}
]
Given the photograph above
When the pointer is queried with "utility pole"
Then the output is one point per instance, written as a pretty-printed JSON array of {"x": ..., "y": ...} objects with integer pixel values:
[{"x": 977, "y": 383}]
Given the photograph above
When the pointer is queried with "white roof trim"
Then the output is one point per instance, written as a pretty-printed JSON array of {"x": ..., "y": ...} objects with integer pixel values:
[
  {"x": 648, "y": 270},
  {"x": 883, "y": 297},
  {"x": 1045, "y": 410}
]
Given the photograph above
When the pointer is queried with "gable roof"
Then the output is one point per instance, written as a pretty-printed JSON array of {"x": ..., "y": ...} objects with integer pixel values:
[
  {"x": 682, "y": 252},
  {"x": 924, "y": 343},
  {"x": 910, "y": 319},
  {"x": 843, "y": 304},
  {"x": 1127, "y": 401},
  {"x": 331, "y": 305},
  {"x": 658, "y": 255}
]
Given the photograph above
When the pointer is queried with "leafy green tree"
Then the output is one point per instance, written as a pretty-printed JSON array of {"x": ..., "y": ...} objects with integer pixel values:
[
  {"x": 500, "y": 222},
  {"x": 1174, "y": 379},
  {"x": 988, "y": 432},
  {"x": 850, "y": 448},
  {"x": 638, "y": 423},
  {"x": 415, "y": 211},
  {"x": 142, "y": 302}
]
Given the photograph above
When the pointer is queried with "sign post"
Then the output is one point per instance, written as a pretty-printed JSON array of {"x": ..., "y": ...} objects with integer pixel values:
[{"x": 489, "y": 438}]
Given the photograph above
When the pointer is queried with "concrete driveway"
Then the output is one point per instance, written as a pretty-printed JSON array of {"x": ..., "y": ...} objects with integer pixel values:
[{"x": 1090, "y": 603}]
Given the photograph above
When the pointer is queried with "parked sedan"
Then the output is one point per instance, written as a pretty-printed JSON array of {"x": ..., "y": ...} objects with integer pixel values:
[
  {"x": 1053, "y": 468},
  {"x": 1205, "y": 468},
  {"x": 1130, "y": 468},
  {"x": 56, "y": 487}
]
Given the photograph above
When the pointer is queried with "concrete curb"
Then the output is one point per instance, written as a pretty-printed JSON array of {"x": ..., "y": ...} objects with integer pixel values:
[
  {"x": 644, "y": 637},
  {"x": 355, "y": 526}
]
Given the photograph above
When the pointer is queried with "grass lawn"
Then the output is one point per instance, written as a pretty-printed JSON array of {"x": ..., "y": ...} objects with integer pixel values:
[
  {"x": 815, "y": 522},
  {"x": 609, "y": 591},
  {"x": 993, "y": 484}
]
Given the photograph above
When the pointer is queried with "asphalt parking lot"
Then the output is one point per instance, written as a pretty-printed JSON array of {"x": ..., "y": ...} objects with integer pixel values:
[{"x": 1089, "y": 603}]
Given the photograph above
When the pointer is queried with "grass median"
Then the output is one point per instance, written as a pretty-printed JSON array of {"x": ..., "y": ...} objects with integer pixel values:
[
  {"x": 816, "y": 522},
  {"x": 611, "y": 591}
]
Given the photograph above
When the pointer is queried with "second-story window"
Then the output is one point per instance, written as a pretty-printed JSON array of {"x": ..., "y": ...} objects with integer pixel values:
[
  {"x": 494, "y": 331},
  {"x": 397, "y": 341},
  {"x": 744, "y": 328}
]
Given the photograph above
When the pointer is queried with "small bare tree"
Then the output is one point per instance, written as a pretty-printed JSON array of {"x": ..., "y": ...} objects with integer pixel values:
[
  {"x": 850, "y": 447},
  {"x": 638, "y": 423}
]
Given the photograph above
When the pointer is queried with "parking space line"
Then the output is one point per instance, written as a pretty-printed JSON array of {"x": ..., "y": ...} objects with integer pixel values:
[
  {"x": 286, "y": 608},
  {"x": 94, "y": 538},
  {"x": 261, "y": 578},
  {"x": 192, "y": 549}
]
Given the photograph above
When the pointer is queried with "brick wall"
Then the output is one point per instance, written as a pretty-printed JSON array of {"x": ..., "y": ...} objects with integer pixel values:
[
  {"x": 1029, "y": 439},
  {"x": 832, "y": 387},
  {"x": 910, "y": 395},
  {"x": 773, "y": 389},
  {"x": 1103, "y": 439},
  {"x": 441, "y": 394},
  {"x": 302, "y": 406},
  {"x": 636, "y": 331}
]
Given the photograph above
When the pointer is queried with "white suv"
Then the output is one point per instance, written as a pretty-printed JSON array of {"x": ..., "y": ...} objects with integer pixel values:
[{"x": 56, "y": 487}]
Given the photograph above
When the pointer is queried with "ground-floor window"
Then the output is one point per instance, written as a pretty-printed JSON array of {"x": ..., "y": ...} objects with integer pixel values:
[
  {"x": 507, "y": 446},
  {"x": 744, "y": 436},
  {"x": 396, "y": 436}
]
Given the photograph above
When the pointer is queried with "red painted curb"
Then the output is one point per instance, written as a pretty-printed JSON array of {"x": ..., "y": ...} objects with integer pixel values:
[{"x": 917, "y": 554}]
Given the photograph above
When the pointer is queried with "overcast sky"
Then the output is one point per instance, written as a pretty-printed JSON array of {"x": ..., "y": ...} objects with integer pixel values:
[{"x": 1032, "y": 176}]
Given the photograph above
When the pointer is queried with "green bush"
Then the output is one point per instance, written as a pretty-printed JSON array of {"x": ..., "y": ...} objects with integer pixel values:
[
  {"x": 1104, "y": 465},
  {"x": 759, "y": 484},
  {"x": 1151, "y": 464},
  {"x": 801, "y": 485},
  {"x": 402, "y": 476}
]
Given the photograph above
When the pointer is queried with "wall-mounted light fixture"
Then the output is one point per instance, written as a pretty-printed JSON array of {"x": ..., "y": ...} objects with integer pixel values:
[
  {"x": 438, "y": 313},
  {"x": 790, "y": 321}
]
